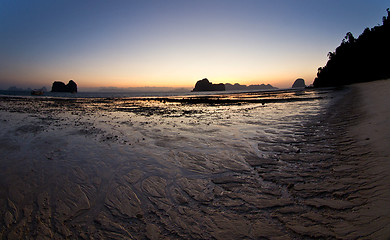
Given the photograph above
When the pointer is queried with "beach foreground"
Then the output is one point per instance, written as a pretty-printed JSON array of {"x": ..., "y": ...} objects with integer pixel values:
[{"x": 315, "y": 167}]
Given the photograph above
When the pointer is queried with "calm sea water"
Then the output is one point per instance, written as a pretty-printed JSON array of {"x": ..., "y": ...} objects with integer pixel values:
[{"x": 110, "y": 94}]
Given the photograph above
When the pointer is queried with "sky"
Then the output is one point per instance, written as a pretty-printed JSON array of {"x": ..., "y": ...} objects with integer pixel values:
[{"x": 174, "y": 43}]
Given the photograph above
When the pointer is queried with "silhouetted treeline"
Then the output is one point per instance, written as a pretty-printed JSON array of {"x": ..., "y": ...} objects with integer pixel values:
[
  {"x": 237, "y": 86},
  {"x": 362, "y": 59}
]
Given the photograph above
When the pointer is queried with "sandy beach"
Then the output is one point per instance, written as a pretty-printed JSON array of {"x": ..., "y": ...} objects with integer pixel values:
[
  {"x": 373, "y": 132},
  {"x": 313, "y": 165}
]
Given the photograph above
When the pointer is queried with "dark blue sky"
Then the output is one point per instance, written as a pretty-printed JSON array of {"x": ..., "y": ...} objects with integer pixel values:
[{"x": 173, "y": 43}]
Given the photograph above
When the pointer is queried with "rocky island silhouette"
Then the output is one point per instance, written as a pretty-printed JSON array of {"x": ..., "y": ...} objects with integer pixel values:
[
  {"x": 62, "y": 87},
  {"x": 299, "y": 83},
  {"x": 206, "y": 85}
]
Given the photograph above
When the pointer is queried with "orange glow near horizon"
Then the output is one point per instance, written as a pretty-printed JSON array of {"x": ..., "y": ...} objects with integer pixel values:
[
  {"x": 124, "y": 82},
  {"x": 95, "y": 74},
  {"x": 172, "y": 43},
  {"x": 281, "y": 81}
]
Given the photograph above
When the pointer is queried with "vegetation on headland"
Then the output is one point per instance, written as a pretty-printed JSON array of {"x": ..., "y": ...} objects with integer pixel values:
[{"x": 361, "y": 59}]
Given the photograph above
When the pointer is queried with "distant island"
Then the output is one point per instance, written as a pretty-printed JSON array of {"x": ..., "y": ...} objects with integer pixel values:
[
  {"x": 61, "y": 87},
  {"x": 236, "y": 86},
  {"x": 299, "y": 83},
  {"x": 17, "y": 89},
  {"x": 361, "y": 59},
  {"x": 36, "y": 91},
  {"x": 206, "y": 85}
]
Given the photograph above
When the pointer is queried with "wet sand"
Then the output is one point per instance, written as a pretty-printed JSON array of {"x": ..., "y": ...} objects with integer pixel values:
[{"x": 128, "y": 169}]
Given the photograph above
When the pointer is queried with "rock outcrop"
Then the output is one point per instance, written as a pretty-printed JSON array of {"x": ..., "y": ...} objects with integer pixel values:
[
  {"x": 61, "y": 87},
  {"x": 206, "y": 85},
  {"x": 299, "y": 83}
]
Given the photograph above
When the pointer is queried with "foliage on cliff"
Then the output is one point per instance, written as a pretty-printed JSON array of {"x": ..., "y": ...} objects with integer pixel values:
[{"x": 361, "y": 59}]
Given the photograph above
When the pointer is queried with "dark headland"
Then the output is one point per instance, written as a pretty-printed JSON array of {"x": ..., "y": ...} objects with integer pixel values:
[
  {"x": 363, "y": 62},
  {"x": 356, "y": 60}
]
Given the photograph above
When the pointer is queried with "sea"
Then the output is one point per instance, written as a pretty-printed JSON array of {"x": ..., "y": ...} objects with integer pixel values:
[{"x": 111, "y": 94}]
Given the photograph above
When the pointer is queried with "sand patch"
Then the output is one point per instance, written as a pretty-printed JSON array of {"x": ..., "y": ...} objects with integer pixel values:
[
  {"x": 375, "y": 124},
  {"x": 373, "y": 134}
]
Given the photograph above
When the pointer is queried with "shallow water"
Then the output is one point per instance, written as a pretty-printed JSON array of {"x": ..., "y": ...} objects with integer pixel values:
[{"x": 125, "y": 168}]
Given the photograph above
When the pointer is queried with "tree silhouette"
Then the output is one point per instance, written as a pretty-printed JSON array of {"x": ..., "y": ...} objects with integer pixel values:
[{"x": 361, "y": 59}]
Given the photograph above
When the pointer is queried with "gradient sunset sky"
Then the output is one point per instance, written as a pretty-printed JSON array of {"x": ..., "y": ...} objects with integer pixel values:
[{"x": 174, "y": 43}]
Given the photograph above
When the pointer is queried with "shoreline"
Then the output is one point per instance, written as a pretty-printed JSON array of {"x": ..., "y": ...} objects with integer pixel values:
[
  {"x": 373, "y": 132},
  {"x": 288, "y": 170},
  {"x": 161, "y": 95},
  {"x": 374, "y": 126},
  {"x": 360, "y": 125},
  {"x": 232, "y": 98}
]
